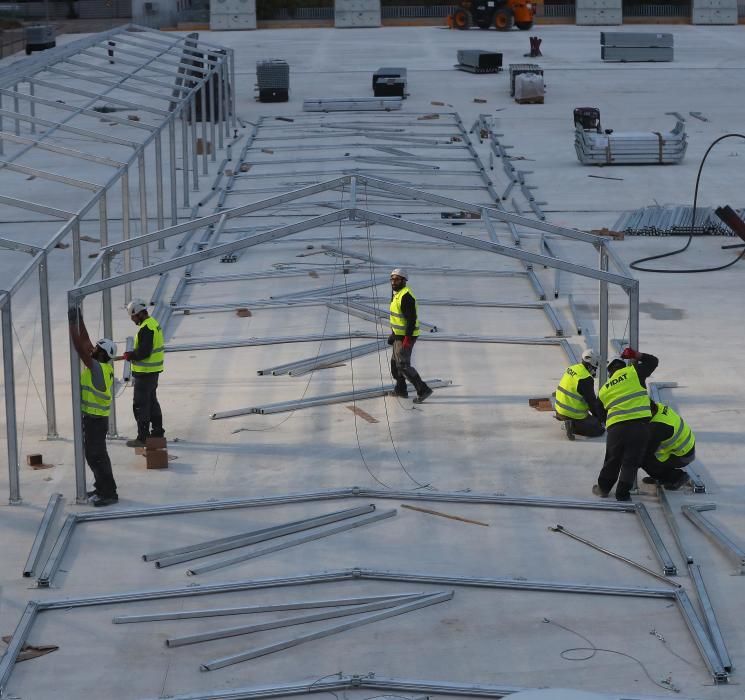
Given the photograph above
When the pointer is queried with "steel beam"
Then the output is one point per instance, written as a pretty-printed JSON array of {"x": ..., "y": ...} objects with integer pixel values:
[
  {"x": 9, "y": 386},
  {"x": 55, "y": 501},
  {"x": 731, "y": 549},
  {"x": 658, "y": 546}
]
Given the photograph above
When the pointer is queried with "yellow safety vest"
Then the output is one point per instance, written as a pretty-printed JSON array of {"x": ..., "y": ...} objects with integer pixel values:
[
  {"x": 92, "y": 401},
  {"x": 624, "y": 397},
  {"x": 154, "y": 362},
  {"x": 682, "y": 441},
  {"x": 569, "y": 402},
  {"x": 397, "y": 320}
]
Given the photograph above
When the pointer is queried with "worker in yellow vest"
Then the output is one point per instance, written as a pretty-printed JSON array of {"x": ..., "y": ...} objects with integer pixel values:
[
  {"x": 96, "y": 388},
  {"x": 576, "y": 403},
  {"x": 147, "y": 364},
  {"x": 627, "y": 415},
  {"x": 404, "y": 320},
  {"x": 671, "y": 446}
]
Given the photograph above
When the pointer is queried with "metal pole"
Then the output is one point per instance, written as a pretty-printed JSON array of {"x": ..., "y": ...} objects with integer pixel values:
[
  {"x": 634, "y": 315},
  {"x": 2, "y": 128},
  {"x": 108, "y": 331},
  {"x": 185, "y": 154},
  {"x": 16, "y": 108},
  {"x": 10, "y": 404},
  {"x": 194, "y": 158},
  {"x": 172, "y": 171},
  {"x": 77, "y": 264},
  {"x": 142, "y": 184},
  {"x": 32, "y": 106},
  {"x": 159, "y": 187},
  {"x": 46, "y": 345},
  {"x": 205, "y": 144},
  {"x": 221, "y": 124},
  {"x": 126, "y": 233},
  {"x": 231, "y": 52},
  {"x": 77, "y": 425},
  {"x": 209, "y": 85},
  {"x": 603, "y": 318}
]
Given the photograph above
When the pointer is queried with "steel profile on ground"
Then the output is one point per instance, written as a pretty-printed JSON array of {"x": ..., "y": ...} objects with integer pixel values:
[
  {"x": 34, "y": 607},
  {"x": 405, "y": 607},
  {"x": 50, "y": 512},
  {"x": 658, "y": 546},
  {"x": 733, "y": 551}
]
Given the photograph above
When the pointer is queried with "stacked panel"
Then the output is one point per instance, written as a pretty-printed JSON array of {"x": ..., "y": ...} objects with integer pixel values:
[
  {"x": 628, "y": 47},
  {"x": 599, "y": 12},
  {"x": 632, "y": 147},
  {"x": 714, "y": 12},
  {"x": 357, "y": 13},
  {"x": 232, "y": 14}
]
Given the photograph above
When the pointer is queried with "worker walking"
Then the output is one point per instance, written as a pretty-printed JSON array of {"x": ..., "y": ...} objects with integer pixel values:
[
  {"x": 576, "y": 403},
  {"x": 96, "y": 385},
  {"x": 404, "y": 320},
  {"x": 627, "y": 413},
  {"x": 147, "y": 364},
  {"x": 671, "y": 446}
]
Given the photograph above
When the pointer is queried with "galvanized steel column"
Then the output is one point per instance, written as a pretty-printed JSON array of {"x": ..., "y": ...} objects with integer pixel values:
[
  {"x": 603, "y": 318},
  {"x": 159, "y": 188},
  {"x": 185, "y": 154},
  {"x": 141, "y": 182},
  {"x": 172, "y": 169},
  {"x": 10, "y": 404},
  {"x": 126, "y": 233},
  {"x": 77, "y": 425},
  {"x": 46, "y": 345}
]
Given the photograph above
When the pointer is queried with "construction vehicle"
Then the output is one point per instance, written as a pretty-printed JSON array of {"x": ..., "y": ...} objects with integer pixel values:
[{"x": 502, "y": 14}]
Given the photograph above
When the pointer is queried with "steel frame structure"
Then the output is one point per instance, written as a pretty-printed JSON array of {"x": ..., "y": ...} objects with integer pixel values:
[
  {"x": 154, "y": 53},
  {"x": 678, "y": 596},
  {"x": 351, "y": 184}
]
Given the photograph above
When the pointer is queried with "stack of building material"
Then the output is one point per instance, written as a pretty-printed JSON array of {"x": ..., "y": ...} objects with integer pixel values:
[
  {"x": 519, "y": 68},
  {"x": 636, "y": 46},
  {"x": 476, "y": 61},
  {"x": 273, "y": 80},
  {"x": 389, "y": 82},
  {"x": 599, "y": 12},
  {"x": 673, "y": 220},
  {"x": 529, "y": 88},
  {"x": 357, "y": 13},
  {"x": 351, "y": 104},
  {"x": 714, "y": 12},
  {"x": 631, "y": 147},
  {"x": 232, "y": 14}
]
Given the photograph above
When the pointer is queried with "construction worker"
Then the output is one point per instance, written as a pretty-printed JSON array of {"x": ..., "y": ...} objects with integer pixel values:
[
  {"x": 627, "y": 414},
  {"x": 576, "y": 403},
  {"x": 404, "y": 320},
  {"x": 96, "y": 384},
  {"x": 671, "y": 446},
  {"x": 147, "y": 364}
]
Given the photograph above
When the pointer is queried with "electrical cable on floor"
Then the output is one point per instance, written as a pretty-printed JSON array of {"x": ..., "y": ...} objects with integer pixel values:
[
  {"x": 636, "y": 264},
  {"x": 592, "y": 650}
]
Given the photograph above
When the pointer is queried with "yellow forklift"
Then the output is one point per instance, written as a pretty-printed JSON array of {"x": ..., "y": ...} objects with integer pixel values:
[{"x": 501, "y": 14}]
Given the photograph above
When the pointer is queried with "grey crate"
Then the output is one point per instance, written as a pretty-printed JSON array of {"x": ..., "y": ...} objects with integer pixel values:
[
  {"x": 40, "y": 34},
  {"x": 636, "y": 39},
  {"x": 274, "y": 74},
  {"x": 481, "y": 60},
  {"x": 635, "y": 54}
]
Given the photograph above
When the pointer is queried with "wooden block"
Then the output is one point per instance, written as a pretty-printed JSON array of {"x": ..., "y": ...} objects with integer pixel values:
[
  {"x": 201, "y": 146},
  {"x": 616, "y": 235},
  {"x": 243, "y": 313},
  {"x": 156, "y": 443},
  {"x": 156, "y": 459},
  {"x": 542, "y": 404},
  {"x": 34, "y": 460}
]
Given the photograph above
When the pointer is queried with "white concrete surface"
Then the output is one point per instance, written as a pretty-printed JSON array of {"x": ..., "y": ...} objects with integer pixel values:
[{"x": 478, "y": 435}]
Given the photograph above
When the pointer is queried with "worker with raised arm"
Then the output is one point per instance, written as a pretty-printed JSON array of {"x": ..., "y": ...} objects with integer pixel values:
[
  {"x": 671, "y": 446},
  {"x": 96, "y": 390},
  {"x": 404, "y": 320},
  {"x": 627, "y": 414},
  {"x": 576, "y": 403},
  {"x": 147, "y": 360}
]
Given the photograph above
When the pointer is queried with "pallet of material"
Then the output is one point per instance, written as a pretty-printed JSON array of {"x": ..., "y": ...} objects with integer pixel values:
[
  {"x": 636, "y": 54},
  {"x": 637, "y": 39},
  {"x": 352, "y": 104},
  {"x": 627, "y": 148},
  {"x": 477, "y": 61},
  {"x": 520, "y": 68}
]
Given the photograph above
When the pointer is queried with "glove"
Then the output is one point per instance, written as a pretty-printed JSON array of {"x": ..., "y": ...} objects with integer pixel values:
[
  {"x": 391, "y": 338},
  {"x": 127, "y": 356},
  {"x": 74, "y": 315},
  {"x": 631, "y": 354},
  {"x": 408, "y": 342}
]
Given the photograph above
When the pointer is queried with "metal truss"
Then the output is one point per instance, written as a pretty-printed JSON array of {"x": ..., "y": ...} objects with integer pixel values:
[
  {"x": 678, "y": 596},
  {"x": 87, "y": 71}
]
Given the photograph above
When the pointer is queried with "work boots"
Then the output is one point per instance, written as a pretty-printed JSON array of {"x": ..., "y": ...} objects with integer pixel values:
[{"x": 400, "y": 389}]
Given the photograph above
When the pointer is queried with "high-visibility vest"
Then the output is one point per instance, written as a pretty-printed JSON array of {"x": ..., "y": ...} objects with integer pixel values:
[
  {"x": 624, "y": 397},
  {"x": 93, "y": 401},
  {"x": 569, "y": 402},
  {"x": 682, "y": 441},
  {"x": 397, "y": 320},
  {"x": 154, "y": 361}
]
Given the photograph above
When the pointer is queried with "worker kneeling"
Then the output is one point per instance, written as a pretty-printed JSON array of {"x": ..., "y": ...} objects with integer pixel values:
[
  {"x": 576, "y": 403},
  {"x": 671, "y": 446}
]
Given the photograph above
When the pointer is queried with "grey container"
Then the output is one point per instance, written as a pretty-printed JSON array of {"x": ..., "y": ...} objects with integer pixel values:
[
  {"x": 39, "y": 37},
  {"x": 480, "y": 60},
  {"x": 635, "y": 54},
  {"x": 636, "y": 39},
  {"x": 274, "y": 74}
]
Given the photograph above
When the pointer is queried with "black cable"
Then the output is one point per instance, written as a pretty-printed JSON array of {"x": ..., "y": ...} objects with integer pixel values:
[{"x": 635, "y": 265}]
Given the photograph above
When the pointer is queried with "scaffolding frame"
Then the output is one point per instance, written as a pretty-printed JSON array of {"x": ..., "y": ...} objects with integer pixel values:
[{"x": 156, "y": 52}]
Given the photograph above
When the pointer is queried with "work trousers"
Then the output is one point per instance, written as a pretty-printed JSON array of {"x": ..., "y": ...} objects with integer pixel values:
[
  {"x": 624, "y": 454},
  {"x": 589, "y": 426},
  {"x": 97, "y": 456},
  {"x": 146, "y": 407},
  {"x": 668, "y": 471},
  {"x": 401, "y": 368}
]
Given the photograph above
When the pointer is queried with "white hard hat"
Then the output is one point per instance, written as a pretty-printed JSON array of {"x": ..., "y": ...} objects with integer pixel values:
[
  {"x": 108, "y": 346},
  {"x": 136, "y": 306},
  {"x": 591, "y": 358},
  {"x": 399, "y": 272}
]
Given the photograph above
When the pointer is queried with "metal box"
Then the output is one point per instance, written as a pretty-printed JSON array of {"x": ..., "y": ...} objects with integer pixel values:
[
  {"x": 39, "y": 37},
  {"x": 636, "y": 54},
  {"x": 480, "y": 61},
  {"x": 633, "y": 39}
]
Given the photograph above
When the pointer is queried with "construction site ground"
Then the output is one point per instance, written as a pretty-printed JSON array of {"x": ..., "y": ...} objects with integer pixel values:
[{"x": 478, "y": 435}]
